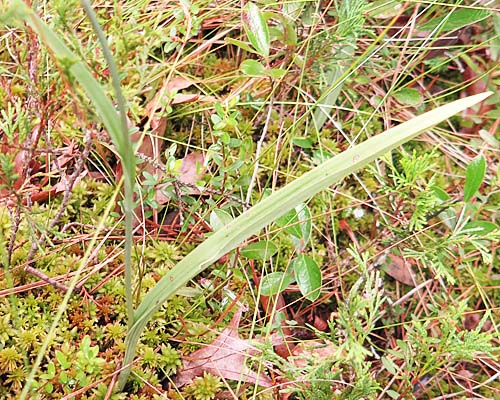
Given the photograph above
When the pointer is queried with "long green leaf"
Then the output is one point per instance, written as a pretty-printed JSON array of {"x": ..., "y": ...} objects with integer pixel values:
[
  {"x": 279, "y": 203},
  {"x": 116, "y": 125},
  {"x": 77, "y": 71}
]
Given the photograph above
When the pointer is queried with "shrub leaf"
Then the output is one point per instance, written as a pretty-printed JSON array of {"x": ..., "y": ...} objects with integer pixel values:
[
  {"x": 474, "y": 177},
  {"x": 308, "y": 276}
]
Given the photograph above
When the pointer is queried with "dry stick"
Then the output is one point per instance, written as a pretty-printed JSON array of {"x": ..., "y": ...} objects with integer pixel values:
[
  {"x": 69, "y": 183},
  {"x": 16, "y": 220},
  {"x": 178, "y": 193},
  {"x": 259, "y": 149},
  {"x": 28, "y": 147}
]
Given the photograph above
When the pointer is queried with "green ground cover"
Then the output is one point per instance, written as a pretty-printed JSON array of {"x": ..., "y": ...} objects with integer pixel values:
[{"x": 269, "y": 200}]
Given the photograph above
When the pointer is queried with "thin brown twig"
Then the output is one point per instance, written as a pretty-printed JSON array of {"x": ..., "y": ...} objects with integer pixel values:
[{"x": 69, "y": 183}]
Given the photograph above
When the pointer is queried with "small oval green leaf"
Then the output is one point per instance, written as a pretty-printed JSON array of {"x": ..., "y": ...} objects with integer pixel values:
[
  {"x": 262, "y": 250},
  {"x": 474, "y": 176},
  {"x": 440, "y": 193},
  {"x": 253, "y": 68},
  {"x": 276, "y": 73},
  {"x": 297, "y": 223},
  {"x": 308, "y": 276},
  {"x": 408, "y": 96},
  {"x": 303, "y": 142},
  {"x": 219, "y": 218},
  {"x": 293, "y": 9},
  {"x": 274, "y": 283},
  {"x": 456, "y": 19},
  {"x": 243, "y": 45},
  {"x": 389, "y": 365},
  {"x": 256, "y": 28}
]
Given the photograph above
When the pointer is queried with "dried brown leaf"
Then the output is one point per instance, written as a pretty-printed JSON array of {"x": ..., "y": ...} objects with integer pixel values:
[
  {"x": 177, "y": 84},
  {"x": 224, "y": 357},
  {"x": 304, "y": 351},
  {"x": 184, "y": 98},
  {"x": 168, "y": 86},
  {"x": 191, "y": 169},
  {"x": 401, "y": 270}
]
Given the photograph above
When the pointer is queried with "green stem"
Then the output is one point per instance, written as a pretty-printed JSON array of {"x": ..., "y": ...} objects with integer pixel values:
[{"x": 128, "y": 169}]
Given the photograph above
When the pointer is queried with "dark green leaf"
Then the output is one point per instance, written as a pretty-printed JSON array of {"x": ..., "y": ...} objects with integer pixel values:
[
  {"x": 474, "y": 176},
  {"x": 256, "y": 29},
  {"x": 262, "y": 250},
  {"x": 274, "y": 283},
  {"x": 308, "y": 276}
]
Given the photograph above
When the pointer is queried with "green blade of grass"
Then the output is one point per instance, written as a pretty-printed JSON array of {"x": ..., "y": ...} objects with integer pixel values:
[
  {"x": 279, "y": 203},
  {"x": 115, "y": 124},
  {"x": 127, "y": 156},
  {"x": 77, "y": 71}
]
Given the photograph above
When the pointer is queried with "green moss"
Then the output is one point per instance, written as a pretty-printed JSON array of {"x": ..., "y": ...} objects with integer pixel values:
[
  {"x": 203, "y": 387},
  {"x": 10, "y": 359}
]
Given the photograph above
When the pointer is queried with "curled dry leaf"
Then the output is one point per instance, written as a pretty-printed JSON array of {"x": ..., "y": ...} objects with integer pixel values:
[
  {"x": 168, "y": 86},
  {"x": 184, "y": 98},
  {"x": 304, "y": 351},
  {"x": 58, "y": 188},
  {"x": 190, "y": 172},
  {"x": 224, "y": 357}
]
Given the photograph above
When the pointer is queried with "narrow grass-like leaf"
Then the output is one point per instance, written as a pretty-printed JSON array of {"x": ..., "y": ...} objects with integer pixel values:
[
  {"x": 126, "y": 155},
  {"x": 77, "y": 71},
  {"x": 80, "y": 72},
  {"x": 277, "y": 204},
  {"x": 474, "y": 176},
  {"x": 219, "y": 218}
]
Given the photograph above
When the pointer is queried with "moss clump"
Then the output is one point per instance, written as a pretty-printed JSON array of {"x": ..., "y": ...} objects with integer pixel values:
[{"x": 203, "y": 387}]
